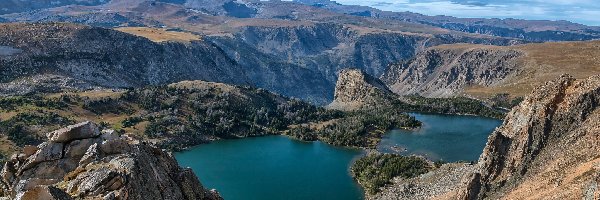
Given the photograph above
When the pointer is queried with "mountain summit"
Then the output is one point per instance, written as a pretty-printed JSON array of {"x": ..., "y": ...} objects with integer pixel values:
[{"x": 356, "y": 90}]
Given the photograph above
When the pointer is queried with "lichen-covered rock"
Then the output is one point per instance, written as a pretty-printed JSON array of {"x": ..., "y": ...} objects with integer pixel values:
[
  {"x": 47, "y": 151},
  {"x": 79, "y": 162},
  {"x": 82, "y": 130},
  {"x": 44, "y": 192}
]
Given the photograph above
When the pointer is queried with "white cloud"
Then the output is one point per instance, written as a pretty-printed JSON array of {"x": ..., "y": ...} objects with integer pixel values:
[{"x": 581, "y": 11}]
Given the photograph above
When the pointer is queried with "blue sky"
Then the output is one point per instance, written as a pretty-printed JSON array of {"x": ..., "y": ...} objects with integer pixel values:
[{"x": 580, "y": 11}]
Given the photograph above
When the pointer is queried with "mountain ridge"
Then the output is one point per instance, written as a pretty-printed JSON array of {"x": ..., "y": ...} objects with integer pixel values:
[
  {"x": 483, "y": 71},
  {"x": 306, "y": 46},
  {"x": 531, "y": 30}
]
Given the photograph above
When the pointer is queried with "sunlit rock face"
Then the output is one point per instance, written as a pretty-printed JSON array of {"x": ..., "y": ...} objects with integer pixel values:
[
  {"x": 548, "y": 144},
  {"x": 547, "y": 148},
  {"x": 357, "y": 90},
  {"x": 446, "y": 72},
  {"x": 80, "y": 161}
]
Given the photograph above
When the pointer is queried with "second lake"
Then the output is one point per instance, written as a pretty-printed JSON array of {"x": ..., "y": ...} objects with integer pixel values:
[{"x": 449, "y": 138}]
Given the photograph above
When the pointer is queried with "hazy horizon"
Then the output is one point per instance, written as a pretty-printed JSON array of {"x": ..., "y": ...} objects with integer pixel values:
[{"x": 581, "y": 11}]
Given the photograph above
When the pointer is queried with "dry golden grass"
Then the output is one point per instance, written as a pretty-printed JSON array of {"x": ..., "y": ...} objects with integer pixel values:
[
  {"x": 7, "y": 114},
  {"x": 93, "y": 94},
  {"x": 541, "y": 63},
  {"x": 160, "y": 34},
  {"x": 8, "y": 147}
]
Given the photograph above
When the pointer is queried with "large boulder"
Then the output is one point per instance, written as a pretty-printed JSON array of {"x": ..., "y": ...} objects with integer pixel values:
[
  {"x": 47, "y": 151},
  {"x": 80, "y": 161},
  {"x": 44, "y": 192},
  {"x": 74, "y": 132}
]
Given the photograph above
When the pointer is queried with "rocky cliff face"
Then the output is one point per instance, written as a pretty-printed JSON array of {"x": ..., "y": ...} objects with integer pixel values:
[
  {"x": 319, "y": 51},
  {"x": 483, "y": 71},
  {"x": 446, "y": 71},
  {"x": 107, "y": 58},
  {"x": 547, "y": 148},
  {"x": 356, "y": 90},
  {"x": 325, "y": 48},
  {"x": 286, "y": 47},
  {"x": 297, "y": 61},
  {"x": 81, "y": 162}
]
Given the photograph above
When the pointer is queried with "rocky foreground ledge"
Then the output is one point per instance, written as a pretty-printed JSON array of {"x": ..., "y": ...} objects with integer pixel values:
[{"x": 80, "y": 161}]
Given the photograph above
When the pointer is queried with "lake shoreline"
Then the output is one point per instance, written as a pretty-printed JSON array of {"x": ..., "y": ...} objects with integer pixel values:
[
  {"x": 363, "y": 150},
  {"x": 274, "y": 155}
]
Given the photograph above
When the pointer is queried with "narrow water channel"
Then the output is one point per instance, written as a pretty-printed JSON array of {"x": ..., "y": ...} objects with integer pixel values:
[{"x": 449, "y": 138}]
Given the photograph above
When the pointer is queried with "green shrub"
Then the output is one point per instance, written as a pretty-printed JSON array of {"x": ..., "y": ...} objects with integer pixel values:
[{"x": 376, "y": 170}]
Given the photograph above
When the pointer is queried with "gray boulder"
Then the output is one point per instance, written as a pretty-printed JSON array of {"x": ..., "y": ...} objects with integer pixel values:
[
  {"x": 74, "y": 132},
  {"x": 80, "y": 162}
]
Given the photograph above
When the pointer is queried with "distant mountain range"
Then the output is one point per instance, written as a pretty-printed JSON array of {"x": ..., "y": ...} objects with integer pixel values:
[
  {"x": 530, "y": 30},
  {"x": 293, "y": 48}
]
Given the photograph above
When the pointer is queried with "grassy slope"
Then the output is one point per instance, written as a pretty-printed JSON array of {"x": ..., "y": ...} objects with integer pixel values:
[
  {"x": 541, "y": 63},
  {"x": 184, "y": 114},
  {"x": 160, "y": 34}
]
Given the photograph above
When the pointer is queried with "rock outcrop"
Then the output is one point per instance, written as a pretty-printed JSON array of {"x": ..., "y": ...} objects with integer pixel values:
[
  {"x": 357, "y": 90},
  {"x": 483, "y": 71},
  {"x": 547, "y": 148},
  {"x": 446, "y": 71},
  {"x": 81, "y": 162},
  {"x": 444, "y": 181}
]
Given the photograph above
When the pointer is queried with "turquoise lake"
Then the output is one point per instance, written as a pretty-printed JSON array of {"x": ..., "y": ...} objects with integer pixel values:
[
  {"x": 280, "y": 168},
  {"x": 442, "y": 137},
  {"x": 274, "y": 168}
]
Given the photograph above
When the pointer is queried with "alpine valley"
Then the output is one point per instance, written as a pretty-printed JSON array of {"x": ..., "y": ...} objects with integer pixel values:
[{"x": 301, "y": 99}]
